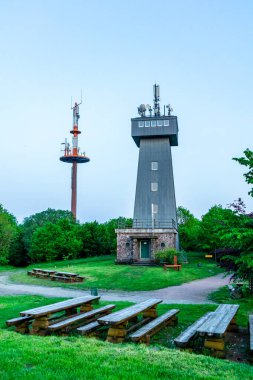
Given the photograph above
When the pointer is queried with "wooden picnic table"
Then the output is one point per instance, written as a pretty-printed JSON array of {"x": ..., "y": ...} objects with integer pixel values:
[
  {"x": 118, "y": 321},
  {"x": 42, "y": 314},
  {"x": 218, "y": 323}
]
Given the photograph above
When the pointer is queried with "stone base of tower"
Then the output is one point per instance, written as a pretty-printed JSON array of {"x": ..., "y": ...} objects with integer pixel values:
[{"x": 137, "y": 245}]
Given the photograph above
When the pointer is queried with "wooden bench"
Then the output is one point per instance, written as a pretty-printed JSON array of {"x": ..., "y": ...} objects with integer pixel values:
[
  {"x": 89, "y": 329},
  {"x": 21, "y": 324},
  {"x": 175, "y": 266},
  {"x": 215, "y": 327},
  {"x": 89, "y": 317},
  {"x": 251, "y": 332},
  {"x": 186, "y": 337},
  {"x": 118, "y": 321},
  {"x": 143, "y": 334}
]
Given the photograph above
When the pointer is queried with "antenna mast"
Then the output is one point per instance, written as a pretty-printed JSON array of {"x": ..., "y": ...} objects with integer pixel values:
[{"x": 73, "y": 156}]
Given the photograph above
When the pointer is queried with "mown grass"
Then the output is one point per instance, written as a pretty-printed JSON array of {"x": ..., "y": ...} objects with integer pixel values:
[
  {"x": 78, "y": 358},
  {"x": 103, "y": 273}
]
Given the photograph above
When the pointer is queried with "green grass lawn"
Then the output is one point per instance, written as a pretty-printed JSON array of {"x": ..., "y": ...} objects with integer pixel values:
[
  {"x": 78, "y": 358},
  {"x": 103, "y": 273}
]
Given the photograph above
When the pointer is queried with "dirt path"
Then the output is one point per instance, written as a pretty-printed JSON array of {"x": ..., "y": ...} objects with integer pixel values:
[{"x": 195, "y": 292}]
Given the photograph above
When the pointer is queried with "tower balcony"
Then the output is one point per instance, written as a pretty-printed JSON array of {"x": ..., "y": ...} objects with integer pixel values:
[{"x": 147, "y": 224}]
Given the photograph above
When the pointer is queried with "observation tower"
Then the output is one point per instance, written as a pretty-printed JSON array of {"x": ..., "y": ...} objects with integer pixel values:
[
  {"x": 74, "y": 156},
  {"x": 155, "y": 221}
]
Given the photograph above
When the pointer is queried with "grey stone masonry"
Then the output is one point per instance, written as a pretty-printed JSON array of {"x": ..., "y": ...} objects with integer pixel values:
[{"x": 128, "y": 242}]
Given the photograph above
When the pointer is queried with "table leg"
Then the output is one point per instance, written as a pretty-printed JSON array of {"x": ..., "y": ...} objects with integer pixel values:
[
  {"x": 23, "y": 328},
  {"x": 151, "y": 313},
  {"x": 172, "y": 321},
  {"x": 86, "y": 307},
  {"x": 40, "y": 325},
  {"x": 117, "y": 333},
  {"x": 217, "y": 346}
]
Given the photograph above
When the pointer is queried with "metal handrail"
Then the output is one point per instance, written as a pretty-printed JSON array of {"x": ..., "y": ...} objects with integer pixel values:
[{"x": 147, "y": 223}]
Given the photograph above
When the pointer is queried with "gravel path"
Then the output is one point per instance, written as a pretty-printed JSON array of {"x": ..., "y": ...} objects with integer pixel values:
[{"x": 194, "y": 292}]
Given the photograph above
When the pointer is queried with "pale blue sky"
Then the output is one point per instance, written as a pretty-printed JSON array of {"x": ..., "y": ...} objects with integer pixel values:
[{"x": 200, "y": 52}]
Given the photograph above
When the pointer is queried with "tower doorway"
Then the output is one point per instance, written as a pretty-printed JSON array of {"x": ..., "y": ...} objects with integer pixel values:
[{"x": 145, "y": 249}]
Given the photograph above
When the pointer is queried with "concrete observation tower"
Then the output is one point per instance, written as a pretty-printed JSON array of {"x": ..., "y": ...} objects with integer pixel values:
[
  {"x": 155, "y": 221},
  {"x": 74, "y": 156}
]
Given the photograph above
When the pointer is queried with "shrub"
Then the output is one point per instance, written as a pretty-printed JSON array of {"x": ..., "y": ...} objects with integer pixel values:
[{"x": 166, "y": 255}]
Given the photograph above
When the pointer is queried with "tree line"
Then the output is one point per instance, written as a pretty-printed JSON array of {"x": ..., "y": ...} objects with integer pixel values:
[{"x": 53, "y": 235}]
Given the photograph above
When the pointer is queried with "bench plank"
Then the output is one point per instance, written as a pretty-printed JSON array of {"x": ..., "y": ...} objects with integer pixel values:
[
  {"x": 88, "y": 328},
  {"x": 151, "y": 326},
  {"x": 219, "y": 321},
  {"x": 127, "y": 313},
  {"x": 80, "y": 317},
  {"x": 59, "y": 306},
  {"x": 17, "y": 321},
  {"x": 183, "y": 339}
]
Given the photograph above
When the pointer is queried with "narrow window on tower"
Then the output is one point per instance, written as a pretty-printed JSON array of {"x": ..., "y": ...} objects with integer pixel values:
[
  {"x": 154, "y": 186},
  {"x": 166, "y": 123},
  {"x": 159, "y": 123},
  {"x": 154, "y": 208},
  {"x": 147, "y": 123},
  {"x": 154, "y": 165},
  {"x": 141, "y": 124},
  {"x": 153, "y": 123}
]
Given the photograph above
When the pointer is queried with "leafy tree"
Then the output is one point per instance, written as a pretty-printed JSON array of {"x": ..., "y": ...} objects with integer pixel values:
[
  {"x": 18, "y": 255},
  {"x": 31, "y": 223},
  {"x": 56, "y": 241},
  {"x": 189, "y": 229},
  {"x": 214, "y": 225},
  {"x": 247, "y": 161},
  {"x": 8, "y": 231}
]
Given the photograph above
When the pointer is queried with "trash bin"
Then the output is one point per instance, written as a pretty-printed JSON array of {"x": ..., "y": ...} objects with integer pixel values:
[{"x": 94, "y": 292}]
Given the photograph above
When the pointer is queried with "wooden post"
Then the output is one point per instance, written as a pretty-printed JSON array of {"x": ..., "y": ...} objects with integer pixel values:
[
  {"x": 86, "y": 307},
  {"x": 40, "y": 324},
  {"x": 23, "y": 328},
  {"x": 215, "y": 343},
  {"x": 172, "y": 321},
  {"x": 117, "y": 333},
  {"x": 151, "y": 312}
]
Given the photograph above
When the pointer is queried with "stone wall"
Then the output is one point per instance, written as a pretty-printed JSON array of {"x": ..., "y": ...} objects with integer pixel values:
[
  {"x": 128, "y": 243},
  {"x": 124, "y": 247}
]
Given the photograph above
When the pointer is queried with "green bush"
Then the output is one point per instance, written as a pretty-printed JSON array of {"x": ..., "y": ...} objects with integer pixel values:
[{"x": 166, "y": 255}]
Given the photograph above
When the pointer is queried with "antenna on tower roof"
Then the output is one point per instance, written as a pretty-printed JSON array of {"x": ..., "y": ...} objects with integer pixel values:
[{"x": 156, "y": 91}]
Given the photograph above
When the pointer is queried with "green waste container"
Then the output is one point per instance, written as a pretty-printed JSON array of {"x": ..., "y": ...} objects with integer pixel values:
[{"x": 94, "y": 292}]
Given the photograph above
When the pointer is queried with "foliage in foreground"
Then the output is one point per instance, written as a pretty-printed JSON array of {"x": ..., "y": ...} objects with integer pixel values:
[
  {"x": 73, "y": 357},
  {"x": 47, "y": 358}
]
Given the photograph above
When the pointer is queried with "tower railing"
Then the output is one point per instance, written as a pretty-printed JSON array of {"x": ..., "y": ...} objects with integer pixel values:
[{"x": 147, "y": 223}]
